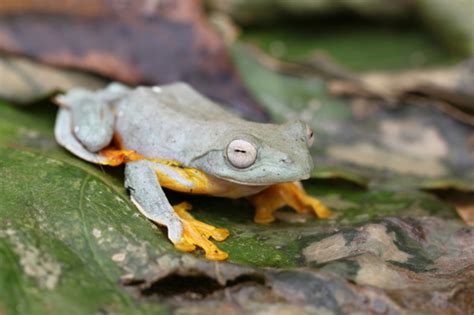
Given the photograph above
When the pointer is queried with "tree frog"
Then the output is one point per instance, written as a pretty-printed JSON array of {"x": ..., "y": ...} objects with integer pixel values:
[{"x": 171, "y": 136}]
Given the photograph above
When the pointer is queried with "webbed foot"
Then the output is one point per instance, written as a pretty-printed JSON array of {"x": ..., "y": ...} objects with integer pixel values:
[
  {"x": 197, "y": 233},
  {"x": 279, "y": 195}
]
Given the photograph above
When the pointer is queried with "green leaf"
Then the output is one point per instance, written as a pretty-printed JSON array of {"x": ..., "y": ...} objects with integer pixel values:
[{"x": 61, "y": 223}]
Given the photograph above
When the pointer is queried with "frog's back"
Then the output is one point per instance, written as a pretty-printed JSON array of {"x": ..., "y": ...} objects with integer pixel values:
[
  {"x": 181, "y": 99},
  {"x": 167, "y": 122}
]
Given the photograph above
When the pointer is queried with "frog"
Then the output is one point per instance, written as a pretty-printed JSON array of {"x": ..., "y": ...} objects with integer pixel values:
[{"x": 172, "y": 137}]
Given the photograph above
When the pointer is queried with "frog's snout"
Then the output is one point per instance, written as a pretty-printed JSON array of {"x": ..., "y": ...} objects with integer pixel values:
[
  {"x": 295, "y": 167},
  {"x": 308, "y": 168},
  {"x": 286, "y": 160}
]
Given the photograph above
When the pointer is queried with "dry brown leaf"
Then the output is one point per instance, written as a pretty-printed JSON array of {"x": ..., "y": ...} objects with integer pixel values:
[{"x": 136, "y": 42}]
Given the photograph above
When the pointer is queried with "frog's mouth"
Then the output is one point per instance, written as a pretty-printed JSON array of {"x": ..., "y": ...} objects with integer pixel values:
[{"x": 262, "y": 180}]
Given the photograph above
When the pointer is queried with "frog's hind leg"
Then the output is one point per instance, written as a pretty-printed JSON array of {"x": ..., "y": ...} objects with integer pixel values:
[
  {"x": 184, "y": 231},
  {"x": 279, "y": 195}
]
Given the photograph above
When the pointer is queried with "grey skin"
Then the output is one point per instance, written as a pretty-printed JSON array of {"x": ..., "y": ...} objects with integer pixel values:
[{"x": 174, "y": 122}]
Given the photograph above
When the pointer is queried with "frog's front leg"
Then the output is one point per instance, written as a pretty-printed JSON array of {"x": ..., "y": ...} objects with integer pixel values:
[
  {"x": 290, "y": 194},
  {"x": 184, "y": 231}
]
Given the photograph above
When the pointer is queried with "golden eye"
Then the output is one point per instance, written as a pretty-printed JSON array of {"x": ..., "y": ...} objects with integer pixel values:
[
  {"x": 241, "y": 153},
  {"x": 309, "y": 136}
]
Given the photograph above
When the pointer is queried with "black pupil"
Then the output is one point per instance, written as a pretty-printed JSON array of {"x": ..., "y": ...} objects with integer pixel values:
[{"x": 240, "y": 151}]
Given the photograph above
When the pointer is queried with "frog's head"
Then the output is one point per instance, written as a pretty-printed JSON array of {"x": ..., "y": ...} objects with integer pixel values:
[{"x": 260, "y": 154}]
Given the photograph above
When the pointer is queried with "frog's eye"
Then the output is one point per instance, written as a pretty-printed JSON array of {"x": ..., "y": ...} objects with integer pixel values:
[
  {"x": 241, "y": 153},
  {"x": 309, "y": 136}
]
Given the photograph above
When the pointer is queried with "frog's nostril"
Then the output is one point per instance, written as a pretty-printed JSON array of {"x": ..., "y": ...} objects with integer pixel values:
[{"x": 286, "y": 160}]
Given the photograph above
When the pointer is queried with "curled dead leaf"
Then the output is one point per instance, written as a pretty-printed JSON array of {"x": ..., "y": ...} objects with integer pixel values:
[
  {"x": 450, "y": 89},
  {"x": 25, "y": 81}
]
